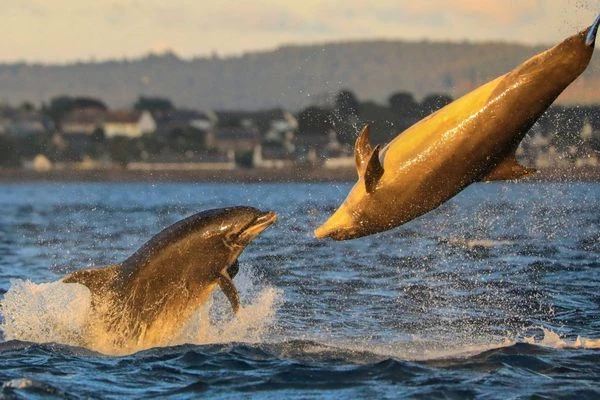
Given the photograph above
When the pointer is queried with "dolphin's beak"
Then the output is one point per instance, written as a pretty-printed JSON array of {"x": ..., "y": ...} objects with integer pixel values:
[
  {"x": 325, "y": 230},
  {"x": 258, "y": 225},
  {"x": 339, "y": 226},
  {"x": 590, "y": 38}
]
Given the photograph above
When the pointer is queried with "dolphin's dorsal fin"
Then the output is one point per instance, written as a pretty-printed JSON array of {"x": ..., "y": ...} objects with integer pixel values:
[
  {"x": 508, "y": 169},
  {"x": 97, "y": 280},
  {"x": 373, "y": 170},
  {"x": 227, "y": 286},
  {"x": 362, "y": 150}
]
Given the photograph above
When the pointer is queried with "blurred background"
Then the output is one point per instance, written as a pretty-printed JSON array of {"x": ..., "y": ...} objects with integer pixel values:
[{"x": 204, "y": 90}]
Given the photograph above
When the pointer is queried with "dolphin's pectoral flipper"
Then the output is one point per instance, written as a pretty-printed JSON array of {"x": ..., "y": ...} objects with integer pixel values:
[
  {"x": 508, "y": 169},
  {"x": 233, "y": 269},
  {"x": 227, "y": 286},
  {"x": 96, "y": 280}
]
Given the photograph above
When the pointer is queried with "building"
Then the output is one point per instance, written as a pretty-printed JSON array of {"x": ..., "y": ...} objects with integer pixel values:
[
  {"x": 128, "y": 123},
  {"x": 189, "y": 161},
  {"x": 239, "y": 139},
  {"x": 203, "y": 121},
  {"x": 282, "y": 130},
  {"x": 319, "y": 148},
  {"x": 39, "y": 163},
  {"x": 82, "y": 121},
  {"x": 23, "y": 123},
  {"x": 88, "y": 121},
  {"x": 192, "y": 125},
  {"x": 263, "y": 139},
  {"x": 272, "y": 156}
]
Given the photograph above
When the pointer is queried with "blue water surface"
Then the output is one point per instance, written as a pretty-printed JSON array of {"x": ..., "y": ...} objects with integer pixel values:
[{"x": 492, "y": 295}]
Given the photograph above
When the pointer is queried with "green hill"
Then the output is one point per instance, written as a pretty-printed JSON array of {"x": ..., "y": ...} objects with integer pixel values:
[{"x": 290, "y": 76}]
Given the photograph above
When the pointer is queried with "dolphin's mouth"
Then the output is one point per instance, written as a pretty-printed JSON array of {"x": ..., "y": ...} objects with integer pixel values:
[
  {"x": 258, "y": 225},
  {"x": 336, "y": 234}
]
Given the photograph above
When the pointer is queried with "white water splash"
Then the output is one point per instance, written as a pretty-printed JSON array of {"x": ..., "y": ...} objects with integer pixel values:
[
  {"x": 251, "y": 324},
  {"x": 62, "y": 313},
  {"x": 46, "y": 312},
  {"x": 545, "y": 338},
  {"x": 553, "y": 340}
]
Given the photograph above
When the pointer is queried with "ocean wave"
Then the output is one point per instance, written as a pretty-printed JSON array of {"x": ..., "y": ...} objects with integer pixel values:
[{"x": 60, "y": 313}]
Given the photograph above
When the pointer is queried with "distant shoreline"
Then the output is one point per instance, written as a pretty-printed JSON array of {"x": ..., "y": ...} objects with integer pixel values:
[
  {"x": 255, "y": 175},
  {"x": 587, "y": 174}
]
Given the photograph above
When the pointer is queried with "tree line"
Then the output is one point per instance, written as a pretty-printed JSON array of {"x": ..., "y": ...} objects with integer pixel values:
[{"x": 345, "y": 115}]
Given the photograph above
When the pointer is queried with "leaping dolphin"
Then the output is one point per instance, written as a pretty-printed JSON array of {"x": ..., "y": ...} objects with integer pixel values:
[
  {"x": 471, "y": 139},
  {"x": 148, "y": 297}
]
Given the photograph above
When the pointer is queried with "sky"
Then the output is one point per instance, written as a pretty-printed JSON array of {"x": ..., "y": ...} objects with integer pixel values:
[{"x": 64, "y": 31}]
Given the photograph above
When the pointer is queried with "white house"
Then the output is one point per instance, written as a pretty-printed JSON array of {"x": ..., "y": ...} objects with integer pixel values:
[{"x": 128, "y": 123}]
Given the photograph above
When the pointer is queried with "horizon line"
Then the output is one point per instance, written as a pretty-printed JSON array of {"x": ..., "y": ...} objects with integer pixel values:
[{"x": 215, "y": 55}]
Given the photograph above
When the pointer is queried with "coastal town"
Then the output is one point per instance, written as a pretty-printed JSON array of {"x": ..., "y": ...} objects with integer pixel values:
[{"x": 83, "y": 134}]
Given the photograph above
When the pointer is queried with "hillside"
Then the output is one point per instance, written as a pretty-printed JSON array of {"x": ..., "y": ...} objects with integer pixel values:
[{"x": 290, "y": 76}]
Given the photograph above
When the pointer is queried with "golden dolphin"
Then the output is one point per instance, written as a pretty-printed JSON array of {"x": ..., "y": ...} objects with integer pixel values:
[
  {"x": 471, "y": 139},
  {"x": 148, "y": 297}
]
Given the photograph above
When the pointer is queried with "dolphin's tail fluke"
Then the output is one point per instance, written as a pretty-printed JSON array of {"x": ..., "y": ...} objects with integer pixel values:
[
  {"x": 590, "y": 38},
  {"x": 97, "y": 280}
]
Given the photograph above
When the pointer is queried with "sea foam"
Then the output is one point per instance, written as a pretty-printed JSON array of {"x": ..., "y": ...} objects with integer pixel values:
[{"x": 62, "y": 313}]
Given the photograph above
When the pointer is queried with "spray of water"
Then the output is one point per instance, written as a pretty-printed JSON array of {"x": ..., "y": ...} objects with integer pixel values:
[
  {"x": 62, "y": 313},
  {"x": 46, "y": 312},
  {"x": 551, "y": 339}
]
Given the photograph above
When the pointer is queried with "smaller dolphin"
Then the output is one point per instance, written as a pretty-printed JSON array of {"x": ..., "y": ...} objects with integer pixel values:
[
  {"x": 471, "y": 139},
  {"x": 146, "y": 299}
]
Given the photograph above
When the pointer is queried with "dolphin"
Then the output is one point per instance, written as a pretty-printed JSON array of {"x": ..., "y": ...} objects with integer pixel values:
[
  {"x": 146, "y": 299},
  {"x": 471, "y": 139}
]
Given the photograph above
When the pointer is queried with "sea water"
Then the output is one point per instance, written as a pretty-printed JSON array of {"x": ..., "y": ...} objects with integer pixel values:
[{"x": 494, "y": 295}]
